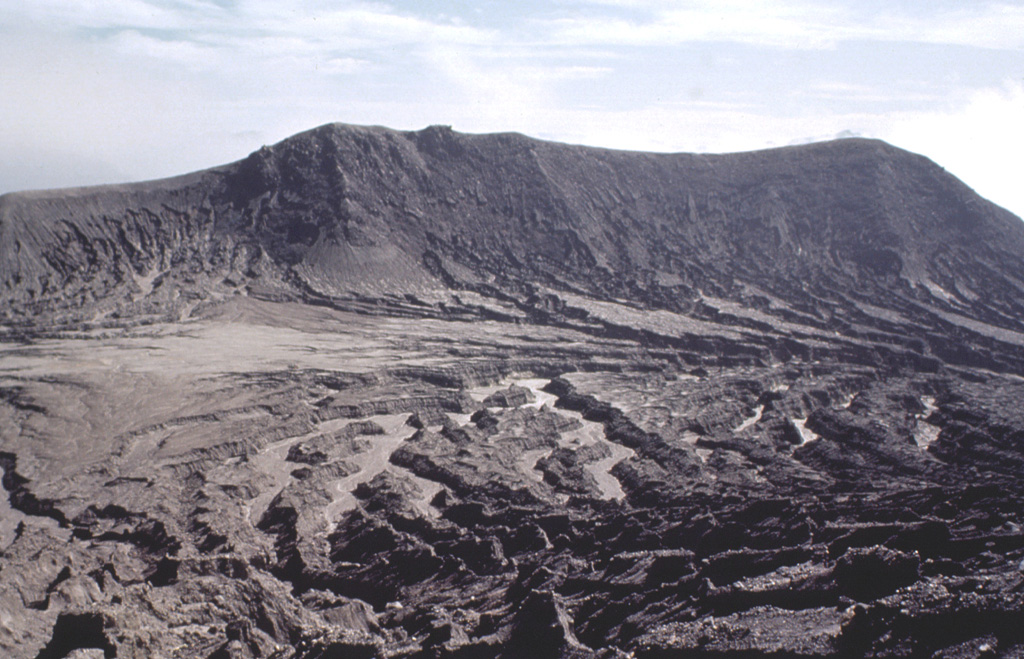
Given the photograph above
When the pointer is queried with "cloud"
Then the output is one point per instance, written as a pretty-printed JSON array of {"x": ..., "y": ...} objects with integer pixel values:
[
  {"x": 380, "y": 28},
  {"x": 38, "y": 168},
  {"x": 349, "y": 24},
  {"x": 100, "y": 104},
  {"x": 982, "y": 25},
  {"x": 194, "y": 55},
  {"x": 102, "y": 14},
  {"x": 662, "y": 24},
  {"x": 789, "y": 24},
  {"x": 980, "y": 140},
  {"x": 886, "y": 93}
]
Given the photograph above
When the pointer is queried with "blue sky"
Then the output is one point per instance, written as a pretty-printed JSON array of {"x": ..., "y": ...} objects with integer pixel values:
[{"x": 95, "y": 91}]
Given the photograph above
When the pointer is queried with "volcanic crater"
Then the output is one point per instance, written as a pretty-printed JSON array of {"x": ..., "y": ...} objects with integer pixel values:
[{"x": 374, "y": 393}]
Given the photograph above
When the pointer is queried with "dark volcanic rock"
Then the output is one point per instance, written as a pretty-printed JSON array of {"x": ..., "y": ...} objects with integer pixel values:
[
  {"x": 867, "y": 574},
  {"x": 423, "y": 394},
  {"x": 543, "y": 628},
  {"x": 512, "y": 397}
]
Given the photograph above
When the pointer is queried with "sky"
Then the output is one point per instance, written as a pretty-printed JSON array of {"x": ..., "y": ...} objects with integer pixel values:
[{"x": 103, "y": 91}]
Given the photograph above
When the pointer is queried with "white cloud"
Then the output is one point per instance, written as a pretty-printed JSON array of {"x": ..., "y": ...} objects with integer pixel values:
[
  {"x": 95, "y": 14},
  {"x": 194, "y": 55},
  {"x": 95, "y": 104},
  {"x": 886, "y": 93},
  {"x": 980, "y": 141},
  {"x": 190, "y": 32},
  {"x": 382, "y": 28},
  {"x": 790, "y": 24},
  {"x": 772, "y": 24},
  {"x": 983, "y": 25}
]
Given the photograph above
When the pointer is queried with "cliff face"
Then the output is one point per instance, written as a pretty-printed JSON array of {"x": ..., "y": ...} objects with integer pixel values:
[
  {"x": 342, "y": 211},
  {"x": 376, "y": 393}
]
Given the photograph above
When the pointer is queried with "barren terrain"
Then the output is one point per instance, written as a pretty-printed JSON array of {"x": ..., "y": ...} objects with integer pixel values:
[{"x": 373, "y": 393}]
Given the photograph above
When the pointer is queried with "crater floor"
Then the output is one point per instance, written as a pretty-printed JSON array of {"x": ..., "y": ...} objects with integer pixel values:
[{"x": 267, "y": 479}]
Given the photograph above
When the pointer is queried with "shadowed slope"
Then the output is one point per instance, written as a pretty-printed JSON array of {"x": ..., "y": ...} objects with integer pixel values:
[{"x": 341, "y": 211}]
